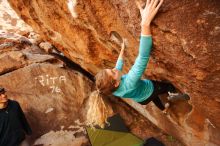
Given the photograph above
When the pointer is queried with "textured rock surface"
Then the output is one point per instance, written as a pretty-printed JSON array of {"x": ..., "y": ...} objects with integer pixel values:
[
  {"x": 186, "y": 51},
  {"x": 9, "y": 20}
]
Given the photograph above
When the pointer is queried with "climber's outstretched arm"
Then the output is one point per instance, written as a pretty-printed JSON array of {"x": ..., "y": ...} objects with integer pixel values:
[
  {"x": 119, "y": 63},
  {"x": 147, "y": 15}
]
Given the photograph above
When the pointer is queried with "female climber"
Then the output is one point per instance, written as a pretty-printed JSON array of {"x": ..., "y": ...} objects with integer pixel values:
[{"x": 130, "y": 85}]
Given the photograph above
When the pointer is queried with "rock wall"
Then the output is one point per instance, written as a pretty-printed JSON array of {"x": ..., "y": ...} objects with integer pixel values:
[{"x": 186, "y": 51}]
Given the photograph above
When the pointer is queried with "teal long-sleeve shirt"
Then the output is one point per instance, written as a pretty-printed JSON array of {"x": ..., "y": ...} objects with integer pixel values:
[{"x": 131, "y": 84}]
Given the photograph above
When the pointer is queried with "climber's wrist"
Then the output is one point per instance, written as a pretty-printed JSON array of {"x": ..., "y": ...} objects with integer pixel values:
[{"x": 145, "y": 29}]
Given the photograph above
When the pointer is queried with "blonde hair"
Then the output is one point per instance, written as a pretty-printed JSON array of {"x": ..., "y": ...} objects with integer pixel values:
[{"x": 98, "y": 110}]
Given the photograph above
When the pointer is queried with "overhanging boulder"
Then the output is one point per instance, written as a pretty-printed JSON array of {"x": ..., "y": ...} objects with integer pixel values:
[{"x": 186, "y": 51}]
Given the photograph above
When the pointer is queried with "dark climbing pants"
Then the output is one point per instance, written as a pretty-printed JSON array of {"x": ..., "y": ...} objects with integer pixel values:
[{"x": 159, "y": 88}]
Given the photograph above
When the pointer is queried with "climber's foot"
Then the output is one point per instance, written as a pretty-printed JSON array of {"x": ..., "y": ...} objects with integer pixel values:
[
  {"x": 167, "y": 105},
  {"x": 177, "y": 96}
]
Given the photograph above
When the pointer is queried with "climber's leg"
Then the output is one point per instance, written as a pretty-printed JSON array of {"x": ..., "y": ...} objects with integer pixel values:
[
  {"x": 156, "y": 100},
  {"x": 158, "y": 103},
  {"x": 161, "y": 87}
]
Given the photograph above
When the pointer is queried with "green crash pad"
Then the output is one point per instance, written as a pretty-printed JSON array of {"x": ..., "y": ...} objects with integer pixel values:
[{"x": 100, "y": 137}]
